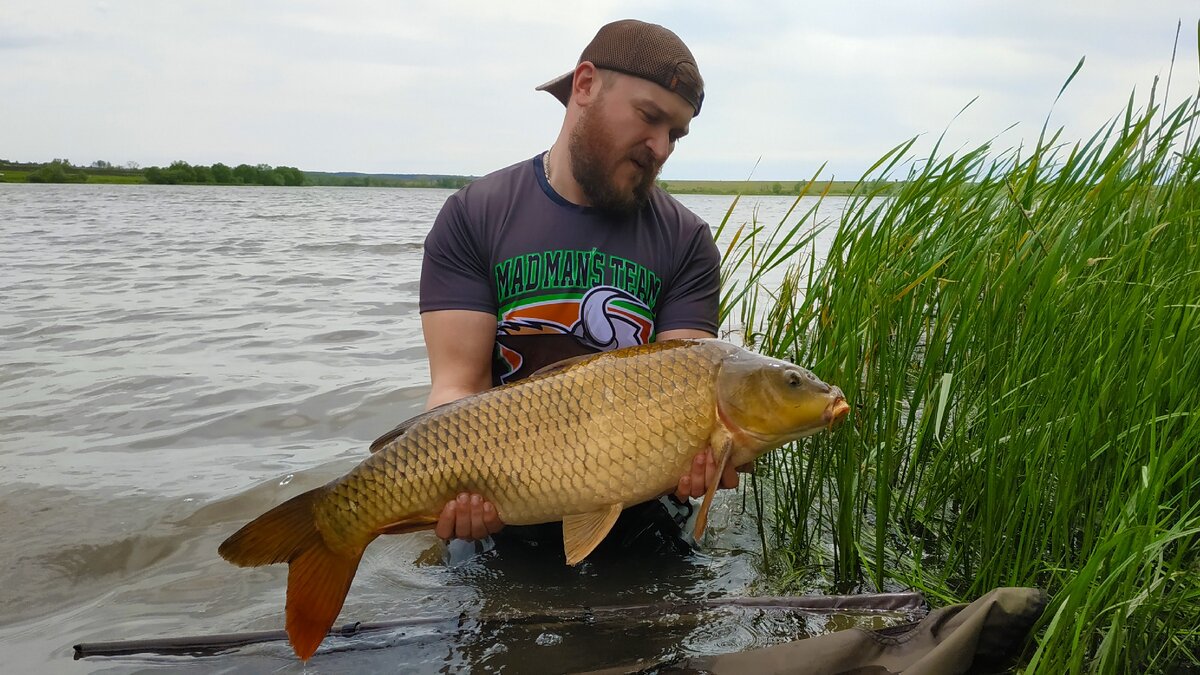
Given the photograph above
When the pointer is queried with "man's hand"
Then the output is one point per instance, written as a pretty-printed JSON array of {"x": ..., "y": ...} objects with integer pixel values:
[
  {"x": 704, "y": 470},
  {"x": 468, "y": 517}
]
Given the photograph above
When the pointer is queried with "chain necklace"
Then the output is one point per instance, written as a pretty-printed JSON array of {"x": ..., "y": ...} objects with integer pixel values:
[{"x": 546, "y": 163}]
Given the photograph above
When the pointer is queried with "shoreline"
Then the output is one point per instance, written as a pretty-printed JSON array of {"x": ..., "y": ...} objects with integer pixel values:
[{"x": 674, "y": 187}]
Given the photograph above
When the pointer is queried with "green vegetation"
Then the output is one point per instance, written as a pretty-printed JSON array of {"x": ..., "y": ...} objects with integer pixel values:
[
  {"x": 58, "y": 171},
  {"x": 1018, "y": 333},
  {"x": 63, "y": 171},
  {"x": 182, "y": 173},
  {"x": 116, "y": 179},
  {"x": 390, "y": 180}
]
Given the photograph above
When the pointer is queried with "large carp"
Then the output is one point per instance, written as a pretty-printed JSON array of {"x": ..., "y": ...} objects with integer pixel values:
[{"x": 576, "y": 442}]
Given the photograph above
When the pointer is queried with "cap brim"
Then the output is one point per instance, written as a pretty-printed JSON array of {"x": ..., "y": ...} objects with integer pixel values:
[{"x": 559, "y": 87}]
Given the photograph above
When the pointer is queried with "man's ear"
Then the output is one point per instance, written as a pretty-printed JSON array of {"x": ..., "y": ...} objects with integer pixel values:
[{"x": 586, "y": 84}]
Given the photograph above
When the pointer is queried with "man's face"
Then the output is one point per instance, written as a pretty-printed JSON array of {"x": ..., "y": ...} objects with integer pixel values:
[{"x": 622, "y": 140}]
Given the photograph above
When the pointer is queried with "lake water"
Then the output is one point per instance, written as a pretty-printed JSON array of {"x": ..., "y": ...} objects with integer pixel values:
[{"x": 176, "y": 360}]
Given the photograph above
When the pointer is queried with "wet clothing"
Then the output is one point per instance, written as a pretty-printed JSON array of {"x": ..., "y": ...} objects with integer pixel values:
[{"x": 564, "y": 280}]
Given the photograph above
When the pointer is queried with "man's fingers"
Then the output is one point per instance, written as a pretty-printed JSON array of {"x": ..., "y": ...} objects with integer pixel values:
[
  {"x": 491, "y": 519},
  {"x": 700, "y": 474},
  {"x": 696, "y": 482},
  {"x": 478, "y": 529},
  {"x": 729, "y": 478},
  {"x": 468, "y": 517},
  {"x": 684, "y": 490},
  {"x": 462, "y": 520},
  {"x": 710, "y": 469},
  {"x": 703, "y": 473},
  {"x": 445, "y": 524}
]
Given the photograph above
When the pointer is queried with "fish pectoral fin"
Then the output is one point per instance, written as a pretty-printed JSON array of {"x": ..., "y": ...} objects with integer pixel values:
[
  {"x": 413, "y": 524},
  {"x": 583, "y": 532},
  {"x": 711, "y": 489}
]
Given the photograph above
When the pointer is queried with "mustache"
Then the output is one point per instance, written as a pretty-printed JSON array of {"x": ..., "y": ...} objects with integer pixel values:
[{"x": 646, "y": 158}]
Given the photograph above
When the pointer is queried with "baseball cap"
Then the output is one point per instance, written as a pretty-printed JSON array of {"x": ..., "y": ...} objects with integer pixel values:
[{"x": 645, "y": 50}]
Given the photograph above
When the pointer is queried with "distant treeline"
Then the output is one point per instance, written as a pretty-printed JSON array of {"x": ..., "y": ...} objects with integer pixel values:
[
  {"x": 178, "y": 173},
  {"x": 182, "y": 173},
  {"x": 57, "y": 171},
  {"x": 388, "y": 180}
]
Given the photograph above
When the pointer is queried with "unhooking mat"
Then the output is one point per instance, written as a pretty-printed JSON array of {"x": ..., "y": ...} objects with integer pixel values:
[{"x": 985, "y": 636}]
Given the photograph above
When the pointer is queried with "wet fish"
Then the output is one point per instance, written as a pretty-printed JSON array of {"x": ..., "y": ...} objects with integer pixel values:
[{"x": 576, "y": 442}]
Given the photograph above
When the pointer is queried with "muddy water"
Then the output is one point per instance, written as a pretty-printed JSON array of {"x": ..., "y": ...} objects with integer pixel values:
[{"x": 174, "y": 361}]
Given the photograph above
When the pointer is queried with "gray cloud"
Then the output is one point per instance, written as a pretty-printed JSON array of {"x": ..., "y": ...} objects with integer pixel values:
[{"x": 448, "y": 87}]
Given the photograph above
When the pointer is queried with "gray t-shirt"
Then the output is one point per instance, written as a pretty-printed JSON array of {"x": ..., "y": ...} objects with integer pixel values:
[{"x": 564, "y": 280}]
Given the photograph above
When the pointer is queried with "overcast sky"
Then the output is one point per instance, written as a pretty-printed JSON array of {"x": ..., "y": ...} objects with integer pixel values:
[{"x": 448, "y": 87}]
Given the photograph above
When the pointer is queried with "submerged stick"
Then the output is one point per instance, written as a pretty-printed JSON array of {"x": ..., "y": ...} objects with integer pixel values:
[{"x": 210, "y": 645}]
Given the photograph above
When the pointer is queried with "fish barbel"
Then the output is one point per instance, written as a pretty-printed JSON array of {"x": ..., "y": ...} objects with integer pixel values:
[{"x": 577, "y": 442}]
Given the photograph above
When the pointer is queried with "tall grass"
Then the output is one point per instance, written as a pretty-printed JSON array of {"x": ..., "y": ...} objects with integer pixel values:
[{"x": 1018, "y": 332}]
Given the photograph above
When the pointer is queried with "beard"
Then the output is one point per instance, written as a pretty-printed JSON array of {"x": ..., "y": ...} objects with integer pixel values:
[{"x": 594, "y": 164}]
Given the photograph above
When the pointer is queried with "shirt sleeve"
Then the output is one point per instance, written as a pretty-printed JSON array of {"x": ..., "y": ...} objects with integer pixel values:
[
  {"x": 694, "y": 296},
  {"x": 454, "y": 271}
]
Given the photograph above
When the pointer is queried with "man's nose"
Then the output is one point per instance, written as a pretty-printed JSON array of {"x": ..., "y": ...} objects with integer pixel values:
[{"x": 660, "y": 145}]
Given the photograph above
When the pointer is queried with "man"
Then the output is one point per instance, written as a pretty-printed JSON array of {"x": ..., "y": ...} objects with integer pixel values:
[{"x": 576, "y": 250}]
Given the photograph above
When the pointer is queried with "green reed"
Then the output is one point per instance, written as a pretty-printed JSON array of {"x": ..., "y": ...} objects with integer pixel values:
[{"x": 1018, "y": 333}]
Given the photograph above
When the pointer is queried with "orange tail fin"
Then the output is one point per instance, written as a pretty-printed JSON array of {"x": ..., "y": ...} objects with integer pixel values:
[{"x": 318, "y": 577}]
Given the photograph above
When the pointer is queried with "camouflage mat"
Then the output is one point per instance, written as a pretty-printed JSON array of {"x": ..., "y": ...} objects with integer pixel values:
[{"x": 985, "y": 636}]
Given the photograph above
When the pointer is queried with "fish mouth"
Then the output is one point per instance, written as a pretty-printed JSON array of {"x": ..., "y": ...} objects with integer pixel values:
[{"x": 836, "y": 411}]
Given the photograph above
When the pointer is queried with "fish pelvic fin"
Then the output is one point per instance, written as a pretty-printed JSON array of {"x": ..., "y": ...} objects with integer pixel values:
[
  {"x": 583, "y": 532},
  {"x": 318, "y": 576},
  {"x": 412, "y": 524}
]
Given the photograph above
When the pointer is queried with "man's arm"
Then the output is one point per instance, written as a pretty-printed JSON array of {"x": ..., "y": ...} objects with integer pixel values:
[
  {"x": 460, "y": 344},
  {"x": 683, "y": 333}
]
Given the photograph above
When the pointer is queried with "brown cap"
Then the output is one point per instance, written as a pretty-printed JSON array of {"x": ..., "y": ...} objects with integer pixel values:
[{"x": 645, "y": 50}]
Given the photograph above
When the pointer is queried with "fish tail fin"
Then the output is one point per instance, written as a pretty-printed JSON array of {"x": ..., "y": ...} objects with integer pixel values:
[
  {"x": 318, "y": 581},
  {"x": 318, "y": 576}
]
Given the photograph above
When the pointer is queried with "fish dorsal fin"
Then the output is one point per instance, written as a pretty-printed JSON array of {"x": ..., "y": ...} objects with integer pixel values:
[
  {"x": 702, "y": 515},
  {"x": 404, "y": 426},
  {"x": 583, "y": 532},
  {"x": 562, "y": 365}
]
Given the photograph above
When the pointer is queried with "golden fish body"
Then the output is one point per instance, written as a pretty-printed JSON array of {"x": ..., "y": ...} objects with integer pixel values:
[
  {"x": 577, "y": 443},
  {"x": 620, "y": 428}
]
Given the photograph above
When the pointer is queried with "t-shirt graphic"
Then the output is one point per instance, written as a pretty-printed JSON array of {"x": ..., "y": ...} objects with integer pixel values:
[{"x": 536, "y": 334}]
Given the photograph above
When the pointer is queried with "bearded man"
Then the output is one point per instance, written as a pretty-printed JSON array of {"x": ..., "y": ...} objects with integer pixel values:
[{"x": 577, "y": 250}]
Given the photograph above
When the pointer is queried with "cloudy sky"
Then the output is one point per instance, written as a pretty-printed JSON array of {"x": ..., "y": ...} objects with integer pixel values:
[{"x": 447, "y": 87}]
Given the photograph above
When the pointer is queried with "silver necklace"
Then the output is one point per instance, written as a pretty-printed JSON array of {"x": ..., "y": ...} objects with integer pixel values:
[{"x": 546, "y": 163}]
